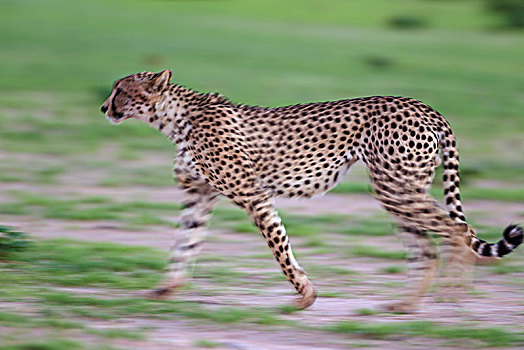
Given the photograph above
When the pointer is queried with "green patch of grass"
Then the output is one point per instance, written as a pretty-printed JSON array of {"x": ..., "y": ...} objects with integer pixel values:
[
  {"x": 331, "y": 270},
  {"x": 324, "y": 250},
  {"x": 352, "y": 187},
  {"x": 229, "y": 214},
  {"x": 152, "y": 206},
  {"x": 118, "y": 333},
  {"x": 148, "y": 219},
  {"x": 51, "y": 344},
  {"x": 224, "y": 274},
  {"x": 206, "y": 343},
  {"x": 75, "y": 263},
  {"x": 245, "y": 227},
  {"x": 295, "y": 229},
  {"x": 499, "y": 194},
  {"x": 316, "y": 241},
  {"x": 87, "y": 311},
  {"x": 12, "y": 241},
  {"x": 90, "y": 208},
  {"x": 67, "y": 213},
  {"x": 502, "y": 194},
  {"x": 151, "y": 176},
  {"x": 14, "y": 209},
  {"x": 321, "y": 220},
  {"x": 368, "y": 227},
  {"x": 502, "y": 269},
  {"x": 58, "y": 323},
  {"x": 296, "y": 225},
  {"x": 469, "y": 192},
  {"x": 262, "y": 255},
  {"x": 126, "y": 307},
  {"x": 332, "y": 295},
  {"x": 51, "y": 207},
  {"x": 489, "y": 233},
  {"x": 366, "y": 312},
  {"x": 289, "y": 309},
  {"x": 234, "y": 315},
  {"x": 49, "y": 175},
  {"x": 393, "y": 269},
  {"x": 310, "y": 226},
  {"x": 377, "y": 253},
  {"x": 12, "y": 319},
  {"x": 489, "y": 336}
]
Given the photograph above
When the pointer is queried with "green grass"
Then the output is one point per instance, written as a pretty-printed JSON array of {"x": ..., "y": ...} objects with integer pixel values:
[
  {"x": 502, "y": 269},
  {"x": 12, "y": 319},
  {"x": 230, "y": 214},
  {"x": 488, "y": 336},
  {"x": 52, "y": 344},
  {"x": 137, "y": 307},
  {"x": 366, "y": 312},
  {"x": 253, "y": 54},
  {"x": 376, "y": 252},
  {"x": 206, "y": 343},
  {"x": 499, "y": 193},
  {"x": 90, "y": 208},
  {"x": 394, "y": 269},
  {"x": 245, "y": 227},
  {"x": 118, "y": 333},
  {"x": 376, "y": 226},
  {"x": 331, "y": 270},
  {"x": 31, "y": 278},
  {"x": 352, "y": 187},
  {"x": 71, "y": 263}
]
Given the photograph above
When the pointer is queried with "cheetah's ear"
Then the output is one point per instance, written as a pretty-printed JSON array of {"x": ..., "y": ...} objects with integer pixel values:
[{"x": 160, "y": 80}]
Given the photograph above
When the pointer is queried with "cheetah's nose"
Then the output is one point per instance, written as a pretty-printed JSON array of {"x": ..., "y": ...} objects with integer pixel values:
[{"x": 103, "y": 109}]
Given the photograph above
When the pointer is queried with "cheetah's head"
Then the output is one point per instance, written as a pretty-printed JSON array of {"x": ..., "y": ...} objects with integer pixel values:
[{"x": 135, "y": 96}]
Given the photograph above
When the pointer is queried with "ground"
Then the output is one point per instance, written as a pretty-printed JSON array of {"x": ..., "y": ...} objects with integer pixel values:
[{"x": 237, "y": 275}]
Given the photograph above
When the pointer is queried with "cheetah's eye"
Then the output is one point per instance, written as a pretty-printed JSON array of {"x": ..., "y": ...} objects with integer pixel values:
[{"x": 116, "y": 114}]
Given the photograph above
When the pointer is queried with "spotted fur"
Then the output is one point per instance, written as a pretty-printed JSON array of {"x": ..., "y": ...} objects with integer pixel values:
[{"x": 253, "y": 154}]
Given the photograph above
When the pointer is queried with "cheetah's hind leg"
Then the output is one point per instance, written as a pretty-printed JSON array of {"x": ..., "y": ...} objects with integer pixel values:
[
  {"x": 457, "y": 272},
  {"x": 423, "y": 263}
]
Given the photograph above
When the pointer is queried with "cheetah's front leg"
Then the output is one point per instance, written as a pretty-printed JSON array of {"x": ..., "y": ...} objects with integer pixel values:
[
  {"x": 270, "y": 225},
  {"x": 199, "y": 200}
]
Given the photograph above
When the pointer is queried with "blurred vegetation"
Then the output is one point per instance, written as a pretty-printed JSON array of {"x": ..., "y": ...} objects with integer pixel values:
[
  {"x": 60, "y": 58},
  {"x": 512, "y": 10},
  {"x": 11, "y": 241},
  {"x": 486, "y": 336}
]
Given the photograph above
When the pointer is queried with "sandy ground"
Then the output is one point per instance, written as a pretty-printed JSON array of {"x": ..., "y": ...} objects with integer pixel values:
[{"x": 497, "y": 301}]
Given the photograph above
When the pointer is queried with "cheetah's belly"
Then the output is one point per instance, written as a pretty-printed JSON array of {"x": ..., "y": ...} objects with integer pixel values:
[{"x": 304, "y": 177}]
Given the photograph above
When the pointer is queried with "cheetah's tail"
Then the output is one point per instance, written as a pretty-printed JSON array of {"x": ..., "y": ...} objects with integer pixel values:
[
  {"x": 512, "y": 236},
  {"x": 511, "y": 239}
]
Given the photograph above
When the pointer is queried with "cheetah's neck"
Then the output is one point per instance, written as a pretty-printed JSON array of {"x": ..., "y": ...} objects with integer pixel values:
[{"x": 171, "y": 113}]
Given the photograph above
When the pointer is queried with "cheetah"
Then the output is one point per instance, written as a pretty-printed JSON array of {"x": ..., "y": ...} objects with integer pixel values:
[{"x": 253, "y": 154}]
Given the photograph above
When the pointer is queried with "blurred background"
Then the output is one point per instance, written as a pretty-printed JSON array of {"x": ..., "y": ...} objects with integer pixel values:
[{"x": 87, "y": 208}]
